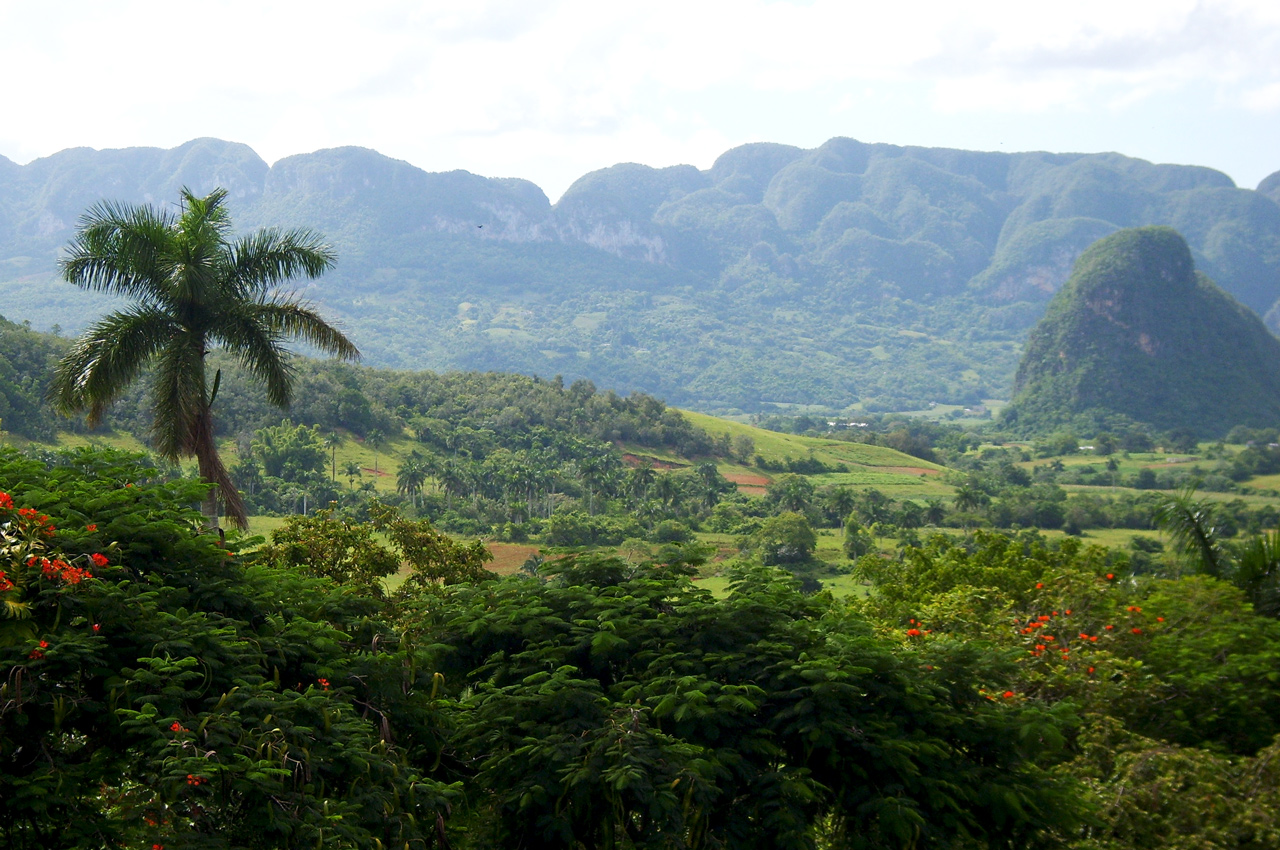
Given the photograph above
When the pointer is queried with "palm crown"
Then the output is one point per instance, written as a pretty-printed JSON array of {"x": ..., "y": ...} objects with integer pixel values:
[{"x": 195, "y": 288}]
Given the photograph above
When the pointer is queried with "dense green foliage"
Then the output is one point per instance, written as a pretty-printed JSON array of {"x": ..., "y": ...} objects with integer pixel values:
[
  {"x": 991, "y": 692},
  {"x": 173, "y": 692},
  {"x": 178, "y": 695},
  {"x": 26, "y": 367},
  {"x": 1137, "y": 336},
  {"x": 1172, "y": 681},
  {"x": 892, "y": 276}
]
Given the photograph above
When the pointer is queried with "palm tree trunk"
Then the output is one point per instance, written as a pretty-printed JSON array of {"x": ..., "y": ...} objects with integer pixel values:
[{"x": 205, "y": 449}]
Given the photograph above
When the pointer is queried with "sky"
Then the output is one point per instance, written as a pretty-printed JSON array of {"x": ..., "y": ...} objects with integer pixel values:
[{"x": 551, "y": 90}]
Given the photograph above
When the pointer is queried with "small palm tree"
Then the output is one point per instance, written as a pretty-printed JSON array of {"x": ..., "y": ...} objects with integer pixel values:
[
  {"x": 331, "y": 442},
  {"x": 194, "y": 288},
  {"x": 352, "y": 470},
  {"x": 411, "y": 477},
  {"x": 374, "y": 440}
]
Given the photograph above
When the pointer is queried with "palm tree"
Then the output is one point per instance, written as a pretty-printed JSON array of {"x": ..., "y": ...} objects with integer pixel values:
[
  {"x": 194, "y": 288},
  {"x": 332, "y": 442},
  {"x": 374, "y": 440},
  {"x": 411, "y": 477},
  {"x": 352, "y": 471}
]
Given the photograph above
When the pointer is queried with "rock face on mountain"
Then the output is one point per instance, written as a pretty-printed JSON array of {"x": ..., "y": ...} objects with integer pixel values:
[
  {"x": 1137, "y": 334},
  {"x": 885, "y": 275}
]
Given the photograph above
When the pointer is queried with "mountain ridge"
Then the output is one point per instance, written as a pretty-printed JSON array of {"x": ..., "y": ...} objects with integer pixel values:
[{"x": 882, "y": 275}]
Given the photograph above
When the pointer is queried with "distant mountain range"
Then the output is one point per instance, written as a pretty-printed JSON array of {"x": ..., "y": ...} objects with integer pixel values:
[{"x": 882, "y": 275}]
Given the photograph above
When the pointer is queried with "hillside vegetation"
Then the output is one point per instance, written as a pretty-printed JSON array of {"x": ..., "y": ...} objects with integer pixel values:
[
  {"x": 1137, "y": 335},
  {"x": 880, "y": 275}
]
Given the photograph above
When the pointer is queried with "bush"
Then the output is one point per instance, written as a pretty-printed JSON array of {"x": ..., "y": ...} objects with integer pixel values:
[
  {"x": 178, "y": 694},
  {"x": 670, "y": 531},
  {"x": 783, "y": 540}
]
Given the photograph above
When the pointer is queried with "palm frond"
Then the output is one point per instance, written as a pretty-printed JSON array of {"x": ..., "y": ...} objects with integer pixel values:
[
  {"x": 209, "y": 212},
  {"x": 1257, "y": 572},
  {"x": 266, "y": 258},
  {"x": 200, "y": 271},
  {"x": 178, "y": 396},
  {"x": 259, "y": 347},
  {"x": 1190, "y": 522},
  {"x": 106, "y": 359},
  {"x": 121, "y": 249},
  {"x": 298, "y": 320}
]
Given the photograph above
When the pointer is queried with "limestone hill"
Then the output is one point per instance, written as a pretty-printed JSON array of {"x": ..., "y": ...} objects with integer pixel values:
[{"x": 1138, "y": 334}]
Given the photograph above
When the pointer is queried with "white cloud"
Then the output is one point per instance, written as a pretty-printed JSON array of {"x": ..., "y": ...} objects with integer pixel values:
[{"x": 563, "y": 86}]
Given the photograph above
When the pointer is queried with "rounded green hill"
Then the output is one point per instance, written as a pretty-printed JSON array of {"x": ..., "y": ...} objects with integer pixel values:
[{"x": 1138, "y": 335}]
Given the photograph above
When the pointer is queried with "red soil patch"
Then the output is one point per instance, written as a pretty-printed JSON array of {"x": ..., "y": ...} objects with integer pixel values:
[
  {"x": 508, "y": 558},
  {"x": 747, "y": 479},
  {"x": 644, "y": 460},
  {"x": 381, "y": 473},
  {"x": 724, "y": 553}
]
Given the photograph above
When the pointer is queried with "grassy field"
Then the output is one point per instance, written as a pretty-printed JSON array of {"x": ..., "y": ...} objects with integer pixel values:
[
  {"x": 895, "y": 473},
  {"x": 773, "y": 446}
]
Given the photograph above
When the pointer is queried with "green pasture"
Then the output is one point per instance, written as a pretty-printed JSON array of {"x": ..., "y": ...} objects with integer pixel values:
[{"x": 774, "y": 447}]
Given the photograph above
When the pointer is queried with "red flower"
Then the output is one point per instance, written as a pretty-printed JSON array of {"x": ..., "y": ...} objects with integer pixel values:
[
  {"x": 1135, "y": 608},
  {"x": 1109, "y": 628},
  {"x": 324, "y": 683},
  {"x": 1055, "y": 613},
  {"x": 1068, "y": 611},
  {"x": 1044, "y": 618},
  {"x": 1007, "y": 695},
  {"x": 99, "y": 560},
  {"x": 1110, "y": 576},
  {"x": 1094, "y": 638},
  {"x": 91, "y": 527},
  {"x": 5, "y": 584},
  {"x": 6, "y": 501},
  {"x": 1159, "y": 619},
  {"x": 1090, "y": 670},
  {"x": 1137, "y": 631},
  {"x": 1039, "y": 585},
  {"x": 176, "y": 727},
  {"x": 97, "y": 627},
  {"x": 910, "y": 633}
]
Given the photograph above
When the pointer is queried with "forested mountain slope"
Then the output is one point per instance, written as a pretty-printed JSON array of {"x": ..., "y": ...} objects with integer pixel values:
[
  {"x": 1137, "y": 334},
  {"x": 886, "y": 275}
]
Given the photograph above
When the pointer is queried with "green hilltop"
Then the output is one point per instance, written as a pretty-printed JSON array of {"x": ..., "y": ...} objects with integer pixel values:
[{"x": 1137, "y": 335}]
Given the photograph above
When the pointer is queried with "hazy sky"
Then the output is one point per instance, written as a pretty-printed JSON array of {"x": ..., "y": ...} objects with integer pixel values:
[{"x": 551, "y": 90}]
